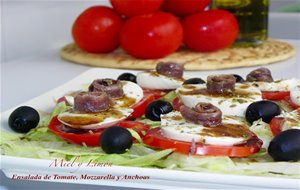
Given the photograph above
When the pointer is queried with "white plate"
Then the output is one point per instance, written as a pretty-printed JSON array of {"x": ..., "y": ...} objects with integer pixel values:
[{"x": 158, "y": 178}]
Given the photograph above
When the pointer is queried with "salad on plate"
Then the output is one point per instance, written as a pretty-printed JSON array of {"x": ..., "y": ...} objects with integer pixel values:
[{"x": 167, "y": 120}]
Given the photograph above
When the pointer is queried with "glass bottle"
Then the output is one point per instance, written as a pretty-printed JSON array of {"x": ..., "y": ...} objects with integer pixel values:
[{"x": 252, "y": 16}]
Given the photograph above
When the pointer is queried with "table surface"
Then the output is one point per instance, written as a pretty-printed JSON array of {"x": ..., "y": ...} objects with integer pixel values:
[{"x": 24, "y": 79}]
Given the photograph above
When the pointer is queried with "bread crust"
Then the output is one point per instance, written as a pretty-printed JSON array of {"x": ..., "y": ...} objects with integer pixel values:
[{"x": 271, "y": 51}]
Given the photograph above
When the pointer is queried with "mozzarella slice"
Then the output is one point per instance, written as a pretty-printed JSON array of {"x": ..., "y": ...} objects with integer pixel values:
[
  {"x": 133, "y": 93},
  {"x": 119, "y": 110},
  {"x": 295, "y": 94},
  {"x": 80, "y": 120},
  {"x": 231, "y": 131},
  {"x": 69, "y": 99},
  {"x": 281, "y": 85},
  {"x": 153, "y": 80},
  {"x": 234, "y": 104}
]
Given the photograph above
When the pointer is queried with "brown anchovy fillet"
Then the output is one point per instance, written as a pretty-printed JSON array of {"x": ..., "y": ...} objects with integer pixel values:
[
  {"x": 220, "y": 84},
  {"x": 170, "y": 69},
  {"x": 204, "y": 113},
  {"x": 91, "y": 102},
  {"x": 113, "y": 88},
  {"x": 261, "y": 74}
]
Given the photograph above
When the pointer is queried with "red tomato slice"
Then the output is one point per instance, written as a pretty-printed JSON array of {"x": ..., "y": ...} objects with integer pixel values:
[
  {"x": 156, "y": 93},
  {"x": 61, "y": 99},
  {"x": 275, "y": 95},
  {"x": 275, "y": 125},
  {"x": 90, "y": 137},
  {"x": 155, "y": 138},
  {"x": 176, "y": 104},
  {"x": 140, "y": 107},
  {"x": 291, "y": 103}
]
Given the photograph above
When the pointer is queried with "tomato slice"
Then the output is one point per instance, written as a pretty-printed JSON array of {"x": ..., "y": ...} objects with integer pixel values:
[
  {"x": 275, "y": 95},
  {"x": 176, "y": 104},
  {"x": 291, "y": 103},
  {"x": 276, "y": 124},
  {"x": 140, "y": 107},
  {"x": 155, "y": 138},
  {"x": 157, "y": 93},
  {"x": 90, "y": 137},
  {"x": 62, "y": 99}
]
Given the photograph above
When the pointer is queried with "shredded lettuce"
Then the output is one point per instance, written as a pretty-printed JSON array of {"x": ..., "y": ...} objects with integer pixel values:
[
  {"x": 146, "y": 157},
  {"x": 263, "y": 131},
  {"x": 8, "y": 136},
  {"x": 135, "y": 135},
  {"x": 198, "y": 163},
  {"x": 169, "y": 97},
  {"x": 152, "y": 124},
  {"x": 270, "y": 168},
  {"x": 138, "y": 155},
  {"x": 239, "y": 166},
  {"x": 59, "y": 108}
]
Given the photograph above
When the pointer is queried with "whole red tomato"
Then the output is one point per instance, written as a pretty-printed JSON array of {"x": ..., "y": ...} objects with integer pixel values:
[
  {"x": 210, "y": 30},
  {"x": 185, "y": 7},
  {"x": 132, "y": 8},
  {"x": 97, "y": 30},
  {"x": 151, "y": 36}
]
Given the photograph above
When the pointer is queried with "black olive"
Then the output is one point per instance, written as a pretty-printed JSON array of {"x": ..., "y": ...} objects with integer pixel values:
[
  {"x": 265, "y": 110},
  {"x": 156, "y": 108},
  {"x": 23, "y": 119},
  {"x": 239, "y": 79},
  {"x": 115, "y": 139},
  {"x": 128, "y": 77},
  {"x": 194, "y": 81},
  {"x": 286, "y": 146}
]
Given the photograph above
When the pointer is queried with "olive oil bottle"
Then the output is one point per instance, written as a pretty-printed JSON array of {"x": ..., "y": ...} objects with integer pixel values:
[{"x": 252, "y": 16}]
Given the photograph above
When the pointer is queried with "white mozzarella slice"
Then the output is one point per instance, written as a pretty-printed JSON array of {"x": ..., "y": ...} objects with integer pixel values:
[
  {"x": 234, "y": 104},
  {"x": 153, "y": 80},
  {"x": 93, "y": 120},
  {"x": 132, "y": 90},
  {"x": 70, "y": 100},
  {"x": 133, "y": 93},
  {"x": 295, "y": 94},
  {"x": 175, "y": 127},
  {"x": 281, "y": 85},
  {"x": 119, "y": 110}
]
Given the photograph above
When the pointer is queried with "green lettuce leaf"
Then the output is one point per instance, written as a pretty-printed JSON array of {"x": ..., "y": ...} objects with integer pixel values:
[
  {"x": 263, "y": 131},
  {"x": 169, "y": 97},
  {"x": 36, "y": 145},
  {"x": 198, "y": 163},
  {"x": 239, "y": 166}
]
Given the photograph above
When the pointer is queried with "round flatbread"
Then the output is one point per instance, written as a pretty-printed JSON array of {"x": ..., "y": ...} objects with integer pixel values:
[{"x": 270, "y": 52}]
